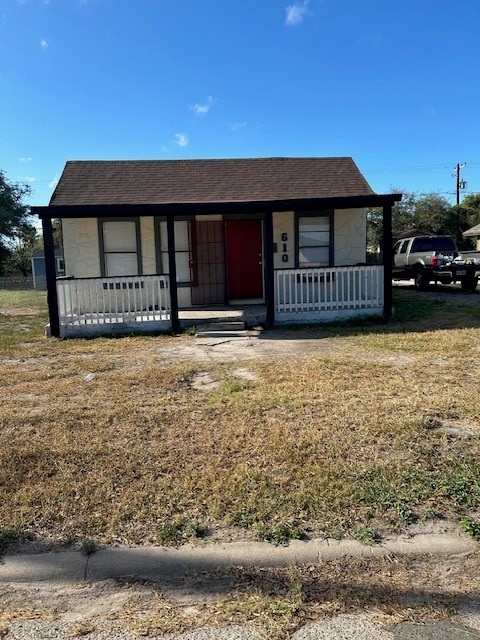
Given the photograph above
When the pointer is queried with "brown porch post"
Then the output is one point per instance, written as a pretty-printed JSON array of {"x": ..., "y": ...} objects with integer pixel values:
[
  {"x": 387, "y": 260},
  {"x": 269, "y": 270},
  {"x": 172, "y": 270},
  {"x": 51, "y": 277}
]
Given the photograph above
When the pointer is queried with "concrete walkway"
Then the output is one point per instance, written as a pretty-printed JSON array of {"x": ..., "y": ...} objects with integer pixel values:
[
  {"x": 88, "y": 594},
  {"x": 167, "y": 565}
]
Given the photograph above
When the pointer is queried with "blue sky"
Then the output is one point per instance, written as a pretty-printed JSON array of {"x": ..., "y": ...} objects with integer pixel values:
[{"x": 393, "y": 84}]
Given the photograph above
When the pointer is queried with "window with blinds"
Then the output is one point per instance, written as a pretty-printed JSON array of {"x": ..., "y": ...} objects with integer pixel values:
[
  {"x": 120, "y": 248},
  {"x": 314, "y": 241}
]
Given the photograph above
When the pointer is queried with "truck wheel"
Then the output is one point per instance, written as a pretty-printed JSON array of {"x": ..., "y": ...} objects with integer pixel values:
[
  {"x": 421, "y": 280},
  {"x": 469, "y": 284}
]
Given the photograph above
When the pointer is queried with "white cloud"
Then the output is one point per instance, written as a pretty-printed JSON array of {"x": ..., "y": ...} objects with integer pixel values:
[
  {"x": 295, "y": 13},
  {"x": 235, "y": 126},
  {"x": 201, "y": 110},
  {"x": 181, "y": 139},
  {"x": 53, "y": 183},
  {"x": 25, "y": 159},
  {"x": 30, "y": 179},
  {"x": 44, "y": 44}
]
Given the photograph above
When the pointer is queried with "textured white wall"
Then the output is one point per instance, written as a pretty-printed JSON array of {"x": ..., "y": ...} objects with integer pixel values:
[
  {"x": 80, "y": 246},
  {"x": 82, "y": 251},
  {"x": 350, "y": 236},
  {"x": 284, "y": 222},
  {"x": 147, "y": 236}
]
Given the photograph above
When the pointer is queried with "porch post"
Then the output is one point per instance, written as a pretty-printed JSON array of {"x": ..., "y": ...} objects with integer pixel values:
[
  {"x": 172, "y": 270},
  {"x": 269, "y": 270},
  {"x": 51, "y": 277},
  {"x": 387, "y": 260}
]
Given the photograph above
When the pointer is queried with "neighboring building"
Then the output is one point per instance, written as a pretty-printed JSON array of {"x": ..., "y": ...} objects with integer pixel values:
[
  {"x": 472, "y": 233},
  {"x": 143, "y": 239},
  {"x": 39, "y": 270}
]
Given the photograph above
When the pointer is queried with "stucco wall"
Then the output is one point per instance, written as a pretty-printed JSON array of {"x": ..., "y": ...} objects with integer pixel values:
[
  {"x": 284, "y": 223},
  {"x": 147, "y": 235},
  {"x": 350, "y": 236},
  {"x": 82, "y": 251},
  {"x": 82, "y": 254},
  {"x": 349, "y": 233},
  {"x": 80, "y": 247}
]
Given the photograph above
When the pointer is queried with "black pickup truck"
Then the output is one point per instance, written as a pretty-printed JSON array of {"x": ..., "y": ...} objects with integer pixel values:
[{"x": 433, "y": 259}]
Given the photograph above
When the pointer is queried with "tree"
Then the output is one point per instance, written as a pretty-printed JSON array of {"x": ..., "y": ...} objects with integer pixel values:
[
  {"x": 57, "y": 235},
  {"x": 403, "y": 218},
  {"x": 467, "y": 215},
  {"x": 433, "y": 213},
  {"x": 19, "y": 260},
  {"x": 428, "y": 212},
  {"x": 14, "y": 215}
]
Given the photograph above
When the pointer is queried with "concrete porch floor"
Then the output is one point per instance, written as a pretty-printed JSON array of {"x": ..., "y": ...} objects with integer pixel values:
[{"x": 251, "y": 315}]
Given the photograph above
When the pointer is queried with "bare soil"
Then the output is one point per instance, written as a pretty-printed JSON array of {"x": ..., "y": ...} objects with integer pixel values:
[{"x": 270, "y": 602}]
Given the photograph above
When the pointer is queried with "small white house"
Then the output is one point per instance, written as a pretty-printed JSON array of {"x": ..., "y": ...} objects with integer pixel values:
[{"x": 145, "y": 239}]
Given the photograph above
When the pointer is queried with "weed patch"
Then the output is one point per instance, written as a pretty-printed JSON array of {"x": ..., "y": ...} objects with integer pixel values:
[
  {"x": 279, "y": 534},
  {"x": 471, "y": 526},
  {"x": 183, "y": 530}
]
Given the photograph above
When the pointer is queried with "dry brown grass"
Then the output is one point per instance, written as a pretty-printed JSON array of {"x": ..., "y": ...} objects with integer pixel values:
[
  {"x": 277, "y": 602},
  {"x": 10, "y": 613},
  {"x": 328, "y": 445}
]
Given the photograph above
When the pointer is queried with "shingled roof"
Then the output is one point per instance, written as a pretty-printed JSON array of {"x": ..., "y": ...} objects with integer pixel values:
[{"x": 156, "y": 182}]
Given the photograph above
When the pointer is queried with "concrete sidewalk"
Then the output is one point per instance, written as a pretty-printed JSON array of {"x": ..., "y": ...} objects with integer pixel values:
[
  {"x": 102, "y": 595},
  {"x": 167, "y": 565}
]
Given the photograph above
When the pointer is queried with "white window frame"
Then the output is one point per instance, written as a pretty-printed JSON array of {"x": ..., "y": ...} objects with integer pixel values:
[
  {"x": 104, "y": 253},
  {"x": 313, "y": 214}
]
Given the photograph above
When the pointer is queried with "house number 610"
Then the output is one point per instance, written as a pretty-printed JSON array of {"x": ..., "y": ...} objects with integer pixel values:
[{"x": 284, "y": 247}]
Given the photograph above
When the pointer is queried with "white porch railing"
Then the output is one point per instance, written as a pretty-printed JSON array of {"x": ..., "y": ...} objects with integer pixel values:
[
  {"x": 95, "y": 301},
  {"x": 328, "y": 289}
]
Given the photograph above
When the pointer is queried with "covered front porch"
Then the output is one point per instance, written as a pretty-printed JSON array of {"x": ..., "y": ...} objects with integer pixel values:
[
  {"x": 209, "y": 261},
  {"x": 106, "y": 306}
]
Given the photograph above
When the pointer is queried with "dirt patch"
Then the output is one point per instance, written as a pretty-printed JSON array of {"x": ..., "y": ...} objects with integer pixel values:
[
  {"x": 269, "y": 344},
  {"x": 203, "y": 381},
  {"x": 457, "y": 430},
  {"x": 245, "y": 374},
  {"x": 19, "y": 311}
]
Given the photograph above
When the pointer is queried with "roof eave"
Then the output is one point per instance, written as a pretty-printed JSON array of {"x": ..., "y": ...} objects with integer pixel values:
[
  {"x": 474, "y": 231},
  {"x": 191, "y": 208}
]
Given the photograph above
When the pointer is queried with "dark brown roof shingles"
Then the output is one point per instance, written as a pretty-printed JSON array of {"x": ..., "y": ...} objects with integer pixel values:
[{"x": 136, "y": 182}]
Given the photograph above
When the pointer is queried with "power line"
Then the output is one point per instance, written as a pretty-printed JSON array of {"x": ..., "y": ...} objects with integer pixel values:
[{"x": 420, "y": 167}]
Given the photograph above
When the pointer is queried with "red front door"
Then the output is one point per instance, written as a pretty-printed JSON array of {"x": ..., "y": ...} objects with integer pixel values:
[{"x": 243, "y": 245}]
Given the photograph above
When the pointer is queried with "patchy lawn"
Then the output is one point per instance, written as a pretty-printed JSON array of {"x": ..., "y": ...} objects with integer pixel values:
[{"x": 337, "y": 442}]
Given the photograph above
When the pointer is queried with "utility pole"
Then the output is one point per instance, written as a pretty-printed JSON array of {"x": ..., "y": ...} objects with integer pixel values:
[{"x": 460, "y": 185}]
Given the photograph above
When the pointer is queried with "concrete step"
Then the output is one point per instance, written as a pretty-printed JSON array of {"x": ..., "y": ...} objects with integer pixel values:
[{"x": 221, "y": 330}]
